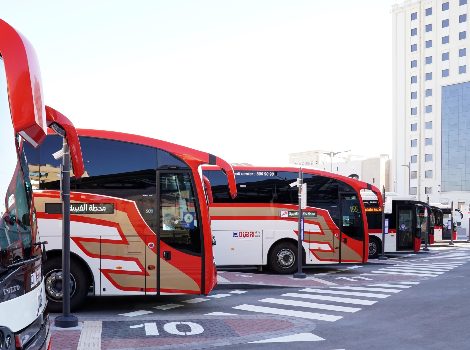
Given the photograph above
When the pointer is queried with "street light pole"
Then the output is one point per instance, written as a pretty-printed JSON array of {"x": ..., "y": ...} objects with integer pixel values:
[{"x": 409, "y": 176}]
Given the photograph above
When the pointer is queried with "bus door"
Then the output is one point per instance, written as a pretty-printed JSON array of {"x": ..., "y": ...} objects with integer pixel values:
[
  {"x": 179, "y": 236},
  {"x": 352, "y": 241},
  {"x": 405, "y": 227}
]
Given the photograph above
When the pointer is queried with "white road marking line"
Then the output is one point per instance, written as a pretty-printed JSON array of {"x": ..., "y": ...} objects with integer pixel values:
[
  {"x": 340, "y": 292},
  {"x": 385, "y": 285},
  {"x": 220, "y": 314},
  {"x": 218, "y": 296},
  {"x": 151, "y": 329},
  {"x": 195, "y": 300},
  {"x": 327, "y": 283},
  {"x": 427, "y": 268},
  {"x": 221, "y": 279},
  {"x": 412, "y": 283},
  {"x": 290, "y": 338},
  {"x": 167, "y": 307},
  {"x": 369, "y": 289},
  {"x": 284, "y": 312},
  {"x": 329, "y": 298},
  {"x": 90, "y": 337},
  {"x": 136, "y": 326},
  {"x": 417, "y": 271},
  {"x": 310, "y": 305},
  {"x": 238, "y": 292},
  {"x": 136, "y": 313},
  {"x": 404, "y": 273}
]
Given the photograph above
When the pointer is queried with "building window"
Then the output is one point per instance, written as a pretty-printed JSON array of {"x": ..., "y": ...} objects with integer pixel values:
[
  {"x": 414, "y": 143},
  {"x": 445, "y": 6},
  {"x": 414, "y": 47},
  {"x": 414, "y": 127},
  {"x": 428, "y": 125},
  {"x": 428, "y": 11},
  {"x": 414, "y": 31},
  {"x": 462, "y": 2},
  {"x": 462, "y": 35},
  {"x": 462, "y": 69},
  {"x": 414, "y": 63},
  {"x": 428, "y": 59},
  {"x": 428, "y": 43},
  {"x": 463, "y": 52},
  {"x": 445, "y": 23},
  {"x": 428, "y": 76},
  {"x": 414, "y": 111},
  {"x": 414, "y": 15},
  {"x": 414, "y": 79},
  {"x": 428, "y": 157},
  {"x": 428, "y": 109},
  {"x": 428, "y": 92},
  {"x": 413, "y": 174},
  {"x": 413, "y": 191},
  {"x": 428, "y": 27},
  {"x": 414, "y": 95},
  {"x": 428, "y": 141},
  {"x": 414, "y": 158},
  {"x": 445, "y": 56},
  {"x": 445, "y": 39},
  {"x": 427, "y": 190},
  {"x": 445, "y": 73},
  {"x": 428, "y": 174},
  {"x": 463, "y": 18}
]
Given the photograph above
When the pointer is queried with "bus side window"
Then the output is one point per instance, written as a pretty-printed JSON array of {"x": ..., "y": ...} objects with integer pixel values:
[{"x": 179, "y": 224}]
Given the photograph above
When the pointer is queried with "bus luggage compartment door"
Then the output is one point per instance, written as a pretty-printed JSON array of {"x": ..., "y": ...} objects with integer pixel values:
[{"x": 238, "y": 247}]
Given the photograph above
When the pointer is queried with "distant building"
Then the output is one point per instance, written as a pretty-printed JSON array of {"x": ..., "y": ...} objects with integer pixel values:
[
  {"x": 431, "y": 99},
  {"x": 373, "y": 170}
]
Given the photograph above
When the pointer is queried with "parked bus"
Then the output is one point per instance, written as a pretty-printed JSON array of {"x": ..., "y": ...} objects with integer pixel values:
[
  {"x": 24, "y": 323},
  {"x": 444, "y": 222},
  {"x": 139, "y": 217},
  {"x": 436, "y": 222},
  {"x": 259, "y": 227},
  {"x": 408, "y": 223}
]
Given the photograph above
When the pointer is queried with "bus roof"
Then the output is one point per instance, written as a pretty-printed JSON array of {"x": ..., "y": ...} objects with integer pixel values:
[{"x": 191, "y": 156}]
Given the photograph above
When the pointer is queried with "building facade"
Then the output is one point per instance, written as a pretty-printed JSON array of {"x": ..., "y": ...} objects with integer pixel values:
[
  {"x": 431, "y": 101},
  {"x": 373, "y": 170}
]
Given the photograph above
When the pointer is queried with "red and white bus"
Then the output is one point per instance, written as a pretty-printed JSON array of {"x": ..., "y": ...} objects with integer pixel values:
[
  {"x": 408, "y": 223},
  {"x": 139, "y": 217},
  {"x": 259, "y": 227},
  {"x": 24, "y": 323},
  {"x": 442, "y": 230}
]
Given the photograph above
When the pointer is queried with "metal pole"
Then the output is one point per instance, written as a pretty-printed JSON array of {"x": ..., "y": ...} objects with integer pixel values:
[
  {"x": 382, "y": 256},
  {"x": 299, "y": 273},
  {"x": 66, "y": 320},
  {"x": 451, "y": 223},
  {"x": 426, "y": 235}
]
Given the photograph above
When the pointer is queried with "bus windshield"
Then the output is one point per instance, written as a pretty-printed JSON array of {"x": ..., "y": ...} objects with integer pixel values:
[{"x": 15, "y": 227}]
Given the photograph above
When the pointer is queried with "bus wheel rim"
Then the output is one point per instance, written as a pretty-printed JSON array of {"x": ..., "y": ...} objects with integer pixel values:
[
  {"x": 372, "y": 248},
  {"x": 285, "y": 258},
  {"x": 53, "y": 285}
]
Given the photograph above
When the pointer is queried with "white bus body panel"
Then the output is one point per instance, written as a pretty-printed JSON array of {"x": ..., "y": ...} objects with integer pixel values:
[
  {"x": 20, "y": 312},
  {"x": 438, "y": 234},
  {"x": 51, "y": 230},
  {"x": 247, "y": 242},
  {"x": 390, "y": 241}
]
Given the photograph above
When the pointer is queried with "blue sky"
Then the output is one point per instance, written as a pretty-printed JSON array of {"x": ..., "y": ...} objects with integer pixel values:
[{"x": 249, "y": 81}]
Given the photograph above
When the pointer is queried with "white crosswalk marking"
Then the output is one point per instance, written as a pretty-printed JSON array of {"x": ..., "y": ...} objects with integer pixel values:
[
  {"x": 167, "y": 307},
  {"x": 310, "y": 305},
  {"x": 286, "y": 312},
  {"x": 419, "y": 268},
  {"x": 400, "y": 269},
  {"x": 195, "y": 300},
  {"x": 290, "y": 338},
  {"x": 386, "y": 285},
  {"x": 404, "y": 273},
  {"x": 340, "y": 292},
  {"x": 369, "y": 289},
  {"x": 412, "y": 283},
  {"x": 136, "y": 313},
  {"x": 329, "y": 298}
]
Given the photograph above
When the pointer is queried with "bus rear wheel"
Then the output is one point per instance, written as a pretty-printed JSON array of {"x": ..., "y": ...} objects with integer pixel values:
[
  {"x": 375, "y": 247},
  {"x": 283, "y": 258},
  {"x": 53, "y": 284}
]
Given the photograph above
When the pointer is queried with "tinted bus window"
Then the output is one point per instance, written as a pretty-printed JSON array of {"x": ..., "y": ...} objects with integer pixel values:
[
  {"x": 166, "y": 160},
  {"x": 49, "y": 168}
]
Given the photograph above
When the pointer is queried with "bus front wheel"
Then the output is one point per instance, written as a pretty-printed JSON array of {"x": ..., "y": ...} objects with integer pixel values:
[
  {"x": 375, "y": 247},
  {"x": 53, "y": 284},
  {"x": 283, "y": 258}
]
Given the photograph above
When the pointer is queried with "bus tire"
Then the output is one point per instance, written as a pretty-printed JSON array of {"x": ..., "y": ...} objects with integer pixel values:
[
  {"x": 283, "y": 258},
  {"x": 375, "y": 247},
  {"x": 53, "y": 284}
]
